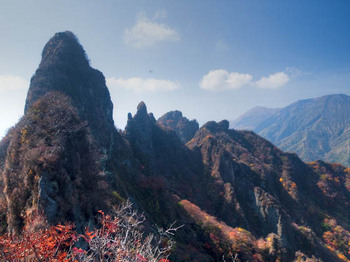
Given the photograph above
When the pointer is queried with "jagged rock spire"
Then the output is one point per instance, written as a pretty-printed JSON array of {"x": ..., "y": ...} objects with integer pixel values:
[
  {"x": 64, "y": 47},
  {"x": 139, "y": 129},
  {"x": 184, "y": 128},
  {"x": 141, "y": 108},
  {"x": 65, "y": 68}
]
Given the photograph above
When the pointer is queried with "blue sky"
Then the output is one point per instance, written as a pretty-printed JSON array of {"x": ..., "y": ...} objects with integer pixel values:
[{"x": 212, "y": 60}]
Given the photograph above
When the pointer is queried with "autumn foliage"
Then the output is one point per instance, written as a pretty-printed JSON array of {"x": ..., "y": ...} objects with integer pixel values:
[
  {"x": 337, "y": 239},
  {"x": 232, "y": 243},
  {"x": 116, "y": 238},
  {"x": 39, "y": 244}
]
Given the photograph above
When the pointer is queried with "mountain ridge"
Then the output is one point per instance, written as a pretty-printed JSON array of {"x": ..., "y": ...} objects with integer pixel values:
[
  {"x": 252, "y": 118},
  {"x": 313, "y": 128},
  {"x": 233, "y": 191}
]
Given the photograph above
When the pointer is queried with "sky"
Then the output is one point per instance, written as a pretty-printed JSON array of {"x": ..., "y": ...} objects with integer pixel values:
[{"x": 212, "y": 60}]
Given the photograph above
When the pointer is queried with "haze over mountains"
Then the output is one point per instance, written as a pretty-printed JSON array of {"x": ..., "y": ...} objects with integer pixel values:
[
  {"x": 234, "y": 191},
  {"x": 316, "y": 128}
]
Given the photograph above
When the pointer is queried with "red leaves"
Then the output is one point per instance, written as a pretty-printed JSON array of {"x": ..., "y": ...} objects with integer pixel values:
[
  {"x": 337, "y": 239},
  {"x": 141, "y": 258},
  {"x": 117, "y": 239},
  {"x": 78, "y": 251},
  {"x": 89, "y": 235},
  {"x": 45, "y": 244}
]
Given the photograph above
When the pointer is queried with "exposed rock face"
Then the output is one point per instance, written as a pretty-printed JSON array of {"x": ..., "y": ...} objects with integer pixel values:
[
  {"x": 168, "y": 173},
  {"x": 139, "y": 130},
  {"x": 184, "y": 128},
  {"x": 64, "y": 67},
  {"x": 159, "y": 149},
  {"x": 246, "y": 182},
  {"x": 61, "y": 148},
  {"x": 52, "y": 164},
  {"x": 261, "y": 185},
  {"x": 233, "y": 191}
]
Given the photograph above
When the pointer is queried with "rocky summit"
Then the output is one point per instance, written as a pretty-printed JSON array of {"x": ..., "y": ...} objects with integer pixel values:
[
  {"x": 235, "y": 193},
  {"x": 184, "y": 128},
  {"x": 64, "y": 67}
]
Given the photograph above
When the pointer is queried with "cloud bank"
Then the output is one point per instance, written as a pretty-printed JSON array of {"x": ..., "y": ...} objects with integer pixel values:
[
  {"x": 146, "y": 32},
  {"x": 220, "y": 80},
  {"x": 273, "y": 81},
  {"x": 137, "y": 84}
]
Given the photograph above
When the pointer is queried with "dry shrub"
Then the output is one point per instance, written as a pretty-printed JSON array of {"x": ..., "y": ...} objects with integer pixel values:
[{"x": 118, "y": 238}]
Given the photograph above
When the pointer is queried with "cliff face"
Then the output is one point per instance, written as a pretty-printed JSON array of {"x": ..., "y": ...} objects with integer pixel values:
[
  {"x": 244, "y": 190},
  {"x": 234, "y": 192},
  {"x": 274, "y": 195},
  {"x": 65, "y": 68},
  {"x": 163, "y": 159},
  {"x": 58, "y": 156},
  {"x": 184, "y": 128},
  {"x": 52, "y": 164}
]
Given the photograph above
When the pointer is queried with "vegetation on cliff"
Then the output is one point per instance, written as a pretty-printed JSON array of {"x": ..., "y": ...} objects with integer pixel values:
[{"x": 235, "y": 193}]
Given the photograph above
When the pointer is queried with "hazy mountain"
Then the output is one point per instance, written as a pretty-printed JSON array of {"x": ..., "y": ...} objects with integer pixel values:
[
  {"x": 313, "y": 128},
  {"x": 253, "y": 118},
  {"x": 234, "y": 192}
]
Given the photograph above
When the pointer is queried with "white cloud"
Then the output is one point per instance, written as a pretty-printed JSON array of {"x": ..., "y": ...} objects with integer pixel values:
[
  {"x": 146, "y": 32},
  {"x": 10, "y": 82},
  {"x": 273, "y": 81},
  {"x": 218, "y": 80},
  {"x": 138, "y": 84}
]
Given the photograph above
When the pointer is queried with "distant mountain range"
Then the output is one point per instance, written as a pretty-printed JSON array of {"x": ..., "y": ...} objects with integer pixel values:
[
  {"x": 316, "y": 128},
  {"x": 234, "y": 192}
]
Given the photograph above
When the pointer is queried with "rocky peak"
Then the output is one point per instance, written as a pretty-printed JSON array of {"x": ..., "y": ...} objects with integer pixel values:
[
  {"x": 141, "y": 118},
  {"x": 184, "y": 128},
  {"x": 139, "y": 129},
  {"x": 234, "y": 192},
  {"x": 65, "y": 68},
  {"x": 152, "y": 118},
  {"x": 224, "y": 124},
  {"x": 216, "y": 127},
  {"x": 175, "y": 115},
  {"x": 141, "y": 109},
  {"x": 64, "y": 47}
]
